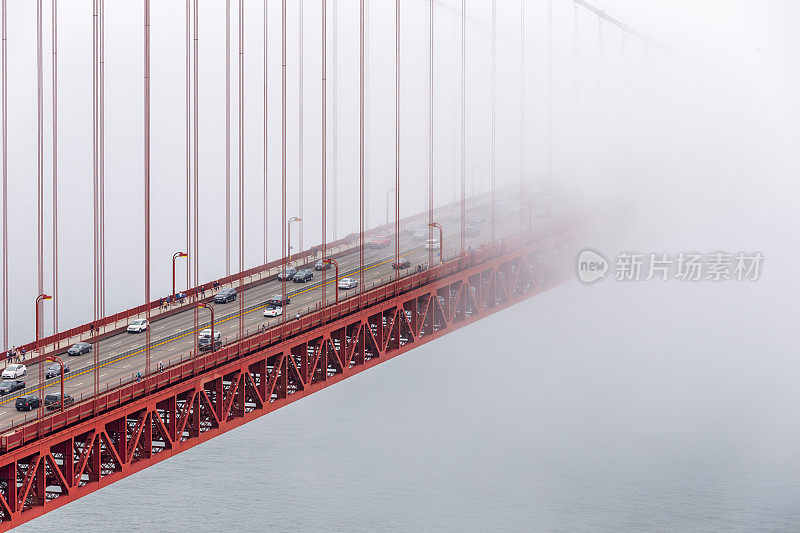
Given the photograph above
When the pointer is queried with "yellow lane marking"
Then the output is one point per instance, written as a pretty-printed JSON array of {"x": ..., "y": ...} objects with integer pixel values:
[{"x": 162, "y": 343}]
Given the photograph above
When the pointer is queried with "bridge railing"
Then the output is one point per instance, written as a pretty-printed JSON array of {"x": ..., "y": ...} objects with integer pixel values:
[
  {"x": 193, "y": 363},
  {"x": 92, "y": 331}
]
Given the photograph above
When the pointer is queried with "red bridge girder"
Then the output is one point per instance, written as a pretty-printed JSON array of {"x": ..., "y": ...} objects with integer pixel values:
[{"x": 69, "y": 455}]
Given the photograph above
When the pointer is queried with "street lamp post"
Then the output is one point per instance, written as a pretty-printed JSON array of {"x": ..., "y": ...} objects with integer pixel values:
[
  {"x": 289, "y": 229},
  {"x": 39, "y": 300},
  {"x": 174, "y": 257},
  {"x": 210, "y": 308},
  {"x": 441, "y": 238},
  {"x": 57, "y": 359},
  {"x": 336, "y": 265}
]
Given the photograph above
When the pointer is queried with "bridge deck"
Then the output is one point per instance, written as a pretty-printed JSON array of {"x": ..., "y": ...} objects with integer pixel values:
[{"x": 122, "y": 355}]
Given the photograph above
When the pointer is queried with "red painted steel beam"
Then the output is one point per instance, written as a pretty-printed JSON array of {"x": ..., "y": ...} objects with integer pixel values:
[{"x": 190, "y": 404}]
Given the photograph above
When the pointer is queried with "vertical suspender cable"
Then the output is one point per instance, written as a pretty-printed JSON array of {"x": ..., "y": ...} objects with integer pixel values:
[
  {"x": 147, "y": 298},
  {"x": 40, "y": 153},
  {"x": 335, "y": 116},
  {"x": 54, "y": 44},
  {"x": 195, "y": 211},
  {"x": 397, "y": 141},
  {"x": 324, "y": 138},
  {"x": 40, "y": 181},
  {"x": 464, "y": 122},
  {"x": 522, "y": 110},
  {"x": 366, "y": 115},
  {"x": 431, "y": 251},
  {"x": 283, "y": 153},
  {"x": 494, "y": 110},
  {"x": 4, "y": 83},
  {"x": 102, "y": 162},
  {"x": 227, "y": 137},
  {"x": 95, "y": 185},
  {"x": 241, "y": 169},
  {"x": 361, "y": 151},
  {"x": 549, "y": 101},
  {"x": 300, "y": 156},
  {"x": 188, "y": 140},
  {"x": 266, "y": 128}
]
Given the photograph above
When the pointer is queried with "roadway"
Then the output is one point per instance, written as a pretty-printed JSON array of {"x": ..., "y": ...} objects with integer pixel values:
[{"x": 173, "y": 336}]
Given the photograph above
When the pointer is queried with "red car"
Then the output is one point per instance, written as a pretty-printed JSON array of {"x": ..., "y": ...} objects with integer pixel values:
[
  {"x": 378, "y": 241},
  {"x": 402, "y": 264}
]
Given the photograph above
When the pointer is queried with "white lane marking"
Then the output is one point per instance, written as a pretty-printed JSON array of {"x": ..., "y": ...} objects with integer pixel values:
[
  {"x": 126, "y": 366},
  {"x": 115, "y": 344}
]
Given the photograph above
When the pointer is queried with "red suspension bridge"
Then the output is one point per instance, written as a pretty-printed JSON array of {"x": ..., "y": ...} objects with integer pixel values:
[{"x": 130, "y": 401}]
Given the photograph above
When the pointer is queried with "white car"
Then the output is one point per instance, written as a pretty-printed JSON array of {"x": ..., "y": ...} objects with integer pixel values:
[
  {"x": 432, "y": 244},
  {"x": 348, "y": 283},
  {"x": 273, "y": 310},
  {"x": 14, "y": 371},
  {"x": 138, "y": 326},
  {"x": 207, "y": 333}
]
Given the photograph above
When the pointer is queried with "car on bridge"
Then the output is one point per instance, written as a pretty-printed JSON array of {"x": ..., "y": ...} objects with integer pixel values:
[
  {"x": 204, "y": 342},
  {"x": 402, "y": 264},
  {"x": 225, "y": 296},
  {"x": 13, "y": 372},
  {"x": 348, "y": 283},
  {"x": 273, "y": 311},
  {"x": 322, "y": 265},
  {"x": 432, "y": 244},
  {"x": 303, "y": 276},
  {"x": 11, "y": 385},
  {"x": 278, "y": 301},
  {"x": 377, "y": 242},
  {"x": 139, "y": 325},
  {"x": 53, "y": 401},
  {"x": 290, "y": 272},
  {"x": 54, "y": 370},
  {"x": 79, "y": 348},
  {"x": 27, "y": 403}
]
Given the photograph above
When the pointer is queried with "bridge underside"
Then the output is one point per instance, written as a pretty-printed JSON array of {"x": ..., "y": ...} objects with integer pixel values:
[{"x": 81, "y": 457}]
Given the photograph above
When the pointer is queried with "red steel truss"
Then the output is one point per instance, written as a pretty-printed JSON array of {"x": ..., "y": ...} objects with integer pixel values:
[{"x": 68, "y": 455}]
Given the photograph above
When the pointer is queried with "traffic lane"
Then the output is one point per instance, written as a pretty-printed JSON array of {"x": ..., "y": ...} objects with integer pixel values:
[
  {"x": 159, "y": 351},
  {"x": 126, "y": 368},
  {"x": 185, "y": 320},
  {"x": 166, "y": 327},
  {"x": 308, "y": 299}
]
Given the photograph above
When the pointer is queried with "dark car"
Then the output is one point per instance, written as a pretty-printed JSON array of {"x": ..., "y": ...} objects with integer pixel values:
[
  {"x": 321, "y": 265},
  {"x": 11, "y": 385},
  {"x": 402, "y": 264},
  {"x": 290, "y": 272},
  {"x": 26, "y": 403},
  {"x": 225, "y": 295},
  {"x": 278, "y": 301},
  {"x": 79, "y": 348},
  {"x": 54, "y": 370},
  {"x": 303, "y": 276},
  {"x": 53, "y": 401}
]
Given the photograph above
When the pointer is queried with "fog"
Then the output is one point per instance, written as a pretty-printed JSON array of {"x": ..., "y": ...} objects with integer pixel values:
[{"x": 650, "y": 405}]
